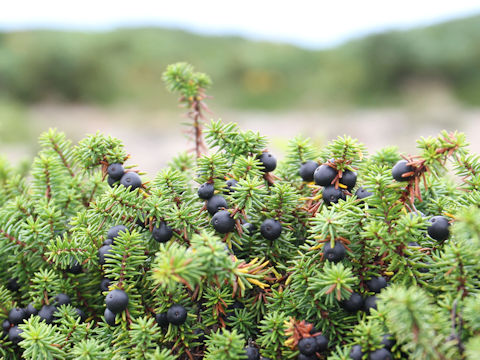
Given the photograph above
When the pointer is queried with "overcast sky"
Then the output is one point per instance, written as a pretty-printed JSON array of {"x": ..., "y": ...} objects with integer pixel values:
[{"x": 308, "y": 23}]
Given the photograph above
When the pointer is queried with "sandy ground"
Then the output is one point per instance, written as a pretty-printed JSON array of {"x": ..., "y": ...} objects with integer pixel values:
[{"x": 154, "y": 137}]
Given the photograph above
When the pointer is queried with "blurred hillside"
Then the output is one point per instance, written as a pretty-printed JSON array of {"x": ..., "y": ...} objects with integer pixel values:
[{"x": 125, "y": 66}]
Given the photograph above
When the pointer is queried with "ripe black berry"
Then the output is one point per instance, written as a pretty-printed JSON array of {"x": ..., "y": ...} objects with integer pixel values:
[
  {"x": 115, "y": 171},
  {"x": 114, "y": 231},
  {"x": 177, "y": 315},
  {"x": 356, "y": 352},
  {"x": 354, "y": 302},
  {"x": 401, "y": 168},
  {"x": 81, "y": 314},
  {"x": 13, "y": 285},
  {"x": 376, "y": 284},
  {"x": 162, "y": 233},
  {"x": 362, "y": 193},
  {"x": 109, "y": 317},
  {"x": 131, "y": 180},
  {"x": 116, "y": 301},
  {"x": 16, "y": 315},
  {"x": 104, "y": 284},
  {"x": 103, "y": 252},
  {"x": 271, "y": 229},
  {"x": 14, "y": 334},
  {"x": 223, "y": 222},
  {"x": 230, "y": 186},
  {"x": 75, "y": 268},
  {"x": 439, "y": 228},
  {"x": 215, "y": 203},
  {"x": 46, "y": 313},
  {"x": 268, "y": 161},
  {"x": 6, "y": 325},
  {"x": 324, "y": 175},
  {"x": 307, "y": 169},
  {"x": 249, "y": 228},
  {"x": 307, "y": 346},
  {"x": 322, "y": 343},
  {"x": 381, "y": 354},
  {"x": 335, "y": 254},
  {"x": 331, "y": 195},
  {"x": 205, "y": 191},
  {"x": 111, "y": 182},
  {"x": 62, "y": 299},
  {"x": 30, "y": 309},
  {"x": 252, "y": 353},
  {"x": 349, "y": 179},
  {"x": 161, "y": 319},
  {"x": 370, "y": 303},
  {"x": 388, "y": 341}
]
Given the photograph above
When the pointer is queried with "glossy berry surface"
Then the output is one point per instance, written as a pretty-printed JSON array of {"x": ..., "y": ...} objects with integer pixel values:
[
  {"x": 216, "y": 203},
  {"x": 376, "y": 284},
  {"x": 380, "y": 354},
  {"x": 109, "y": 317},
  {"x": 349, "y": 179},
  {"x": 354, "y": 302},
  {"x": 131, "y": 180},
  {"x": 324, "y": 175},
  {"x": 401, "y": 168},
  {"x": 115, "y": 171},
  {"x": 177, "y": 315},
  {"x": 62, "y": 299},
  {"x": 370, "y": 303},
  {"x": 116, "y": 230},
  {"x": 271, "y": 229},
  {"x": 162, "y": 233},
  {"x": 230, "y": 186},
  {"x": 104, "y": 284},
  {"x": 362, "y": 193},
  {"x": 205, "y": 191},
  {"x": 307, "y": 346},
  {"x": 335, "y": 254},
  {"x": 268, "y": 161},
  {"x": 161, "y": 319},
  {"x": 14, "y": 334},
  {"x": 223, "y": 222},
  {"x": 307, "y": 169},
  {"x": 331, "y": 195},
  {"x": 322, "y": 343},
  {"x": 252, "y": 353},
  {"x": 47, "y": 313},
  {"x": 16, "y": 315},
  {"x": 116, "y": 301},
  {"x": 439, "y": 228},
  {"x": 356, "y": 352},
  {"x": 103, "y": 252}
]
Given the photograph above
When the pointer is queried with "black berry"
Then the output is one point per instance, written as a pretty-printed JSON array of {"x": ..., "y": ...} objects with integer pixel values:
[
  {"x": 370, "y": 303},
  {"x": 363, "y": 193},
  {"x": 81, "y": 314},
  {"x": 205, "y": 191},
  {"x": 322, "y": 343},
  {"x": 223, "y": 222},
  {"x": 354, "y": 302},
  {"x": 114, "y": 231},
  {"x": 109, "y": 317},
  {"x": 307, "y": 169},
  {"x": 102, "y": 252},
  {"x": 177, "y": 315},
  {"x": 230, "y": 186},
  {"x": 104, "y": 284},
  {"x": 349, "y": 179},
  {"x": 335, "y": 254},
  {"x": 6, "y": 325},
  {"x": 13, "y": 285},
  {"x": 271, "y": 229},
  {"x": 249, "y": 228},
  {"x": 268, "y": 161},
  {"x": 331, "y": 195},
  {"x": 16, "y": 315},
  {"x": 62, "y": 299},
  {"x": 131, "y": 180},
  {"x": 400, "y": 169},
  {"x": 161, "y": 319},
  {"x": 47, "y": 313},
  {"x": 30, "y": 309},
  {"x": 388, "y": 341},
  {"x": 116, "y": 301},
  {"x": 376, "y": 284},
  {"x": 381, "y": 354},
  {"x": 75, "y": 268},
  {"x": 356, "y": 352},
  {"x": 252, "y": 353},
  {"x": 162, "y": 233},
  {"x": 439, "y": 228},
  {"x": 14, "y": 334},
  {"x": 307, "y": 346},
  {"x": 111, "y": 182},
  {"x": 324, "y": 175},
  {"x": 215, "y": 203},
  {"x": 115, "y": 171}
]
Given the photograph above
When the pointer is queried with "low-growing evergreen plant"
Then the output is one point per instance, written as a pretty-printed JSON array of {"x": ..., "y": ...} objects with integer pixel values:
[{"x": 331, "y": 253}]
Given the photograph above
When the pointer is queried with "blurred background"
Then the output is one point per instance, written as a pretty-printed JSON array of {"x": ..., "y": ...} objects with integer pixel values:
[{"x": 384, "y": 73}]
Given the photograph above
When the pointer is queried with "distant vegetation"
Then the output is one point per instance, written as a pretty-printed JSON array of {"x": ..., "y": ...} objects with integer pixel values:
[{"x": 126, "y": 65}]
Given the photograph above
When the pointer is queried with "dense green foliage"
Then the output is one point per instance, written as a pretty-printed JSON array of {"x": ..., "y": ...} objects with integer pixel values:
[{"x": 124, "y": 65}]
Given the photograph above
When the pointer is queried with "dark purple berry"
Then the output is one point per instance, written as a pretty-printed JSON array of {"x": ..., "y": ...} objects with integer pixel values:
[
  {"x": 177, "y": 315},
  {"x": 109, "y": 317},
  {"x": 400, "y": 169},
  {"x": 16, "y": 315},
  {"x": 363, "y": 193},
  {"x": 115, "y": 231},
  {"x": 116, "y": 301},
  {"x": 13, "y": 285},
  {"x": 370, "y": 303},
  {"x": 356, "y": 352},
  {"x": 6, "y": 325},
  {"x": 354, "y": 303},
  {"x": 439, "y": 228},
  {"x": 230, "y": 186},
  {"x": 111, "y": 182},
  {"x": 47, "y": 313},
  {"x": 376, "y": 284},
  {"x": 335, "y": 254},
  {"x": 131, "y": 180},
  {"x": 349, "y": 179},
  {"x": 324, "y": 175},
  {"x": 331, "y": 195},
  {"x": 223, "y": 222},
  {"x": 162, "y": 233},
  {"x": 307, "y": 169},
  {"x": 307, "y": 346},
  {"x": 161, "y": 319},
  {"x": 216, "y": 203},
  {"x": 322, "y": 343},
  {"x": 103, "y": 252},
  {"x": 14, "y": 335},
  {"x": 388, "y": 341},
  {"x": 115, "y": 171},
  {"x": 380, "y": 354},
  {"x": 104, "y": 284},
  {"x": 205, "y": 191},
  {"x": 31, "y": 310},
  {"x": 271, "y": 229},
  {"x": 268, "y": 161},
  {"x": 62, "y": 299},
  {"x": 252, "y": 353}
]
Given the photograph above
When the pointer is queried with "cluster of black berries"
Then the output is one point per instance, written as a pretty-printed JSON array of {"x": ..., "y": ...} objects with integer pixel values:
[
  {"x": 106, "y": 248},
  {"x": 310, "y": 346},
  {"x": 116, "y": 302},
  {"x": 175, "y": 315},
  {"x": 116, "y": 174},
  {"x": 384, "y": 353},
  {"x": 356, "y": 302}
]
